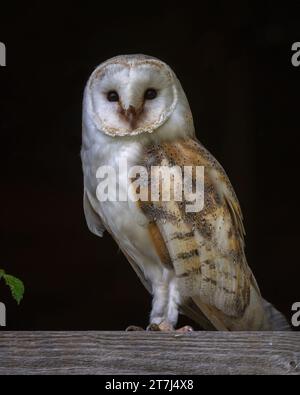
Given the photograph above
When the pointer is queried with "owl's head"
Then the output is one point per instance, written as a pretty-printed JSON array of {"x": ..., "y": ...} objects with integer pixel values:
[{"x": 133, "y": 94}]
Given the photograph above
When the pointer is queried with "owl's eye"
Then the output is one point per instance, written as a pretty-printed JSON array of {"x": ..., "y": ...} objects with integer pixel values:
[
  {"x": 150, "y": 94},
  {"x": 112, "y": 96}
]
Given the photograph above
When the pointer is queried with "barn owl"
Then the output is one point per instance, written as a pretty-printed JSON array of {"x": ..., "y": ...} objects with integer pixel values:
[{"x": 135, "y": 111}]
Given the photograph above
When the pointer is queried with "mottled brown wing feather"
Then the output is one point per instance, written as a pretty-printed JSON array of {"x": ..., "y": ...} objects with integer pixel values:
[{"x": 206, "y": 248}]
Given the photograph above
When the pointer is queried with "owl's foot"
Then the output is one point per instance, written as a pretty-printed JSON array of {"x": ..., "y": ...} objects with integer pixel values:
[
  {"x": 167, "y": 327},
  {"x": 153, "y": 327},
  {"x": 185, "y": 329}
]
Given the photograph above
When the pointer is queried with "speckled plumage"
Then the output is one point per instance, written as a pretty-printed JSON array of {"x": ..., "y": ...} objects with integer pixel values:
[{"x": 206, "y": 248}]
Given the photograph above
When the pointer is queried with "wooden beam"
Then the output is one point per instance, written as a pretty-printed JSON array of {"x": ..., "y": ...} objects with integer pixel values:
[{"x": 149, "y": 353}]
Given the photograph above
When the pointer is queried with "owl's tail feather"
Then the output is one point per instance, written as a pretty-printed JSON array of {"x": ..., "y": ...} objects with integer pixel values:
[{"x": 277, "y": 320}]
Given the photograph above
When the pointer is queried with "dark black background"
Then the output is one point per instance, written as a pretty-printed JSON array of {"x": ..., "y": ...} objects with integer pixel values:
[{"x": 234, "y": 62}]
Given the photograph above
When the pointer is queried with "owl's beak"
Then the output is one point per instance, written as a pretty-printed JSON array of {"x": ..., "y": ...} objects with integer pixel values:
[
  {"x": 130, "y": 112},
  {"x": 131, "y": 115}
]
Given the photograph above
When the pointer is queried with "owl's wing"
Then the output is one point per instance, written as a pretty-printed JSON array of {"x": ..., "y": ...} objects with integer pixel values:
[
  {"x": 92, "y": 218},
  {"x": 205, "y": 248}
]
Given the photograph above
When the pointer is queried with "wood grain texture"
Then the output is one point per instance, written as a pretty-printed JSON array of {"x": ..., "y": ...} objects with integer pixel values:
[{"x": 149, "y": 353}]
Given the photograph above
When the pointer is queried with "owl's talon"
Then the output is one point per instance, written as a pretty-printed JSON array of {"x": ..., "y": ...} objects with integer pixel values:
[
  {"x": 162, "y": 327},
  {"x": 153, "y": 327},
  {"x": 166, "y": 327},
  {"x": 185, "y": 329},
  {"x": 134, "y": 328}
]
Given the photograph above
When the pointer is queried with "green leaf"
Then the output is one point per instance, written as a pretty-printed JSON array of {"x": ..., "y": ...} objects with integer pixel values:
[
  {"x": 16, "y": 286},
  {"x": 2, "y": 272}
]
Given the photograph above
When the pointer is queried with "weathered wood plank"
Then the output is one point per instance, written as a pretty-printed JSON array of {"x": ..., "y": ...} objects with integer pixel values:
[{"x": 149, "y": 353}]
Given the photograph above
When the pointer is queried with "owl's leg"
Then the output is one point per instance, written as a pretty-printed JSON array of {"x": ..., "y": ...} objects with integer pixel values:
[
  {"x": 164, "y": 314},
  {"x": 173, "y": 303},
  {"x": 167, "y": 318},
  {"x": 165, "y": 302},
  {"x": 159, "y": 303},
  {"x": 158, "y": 316}
]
